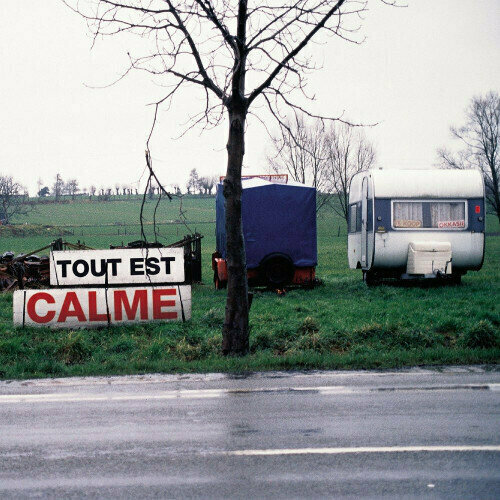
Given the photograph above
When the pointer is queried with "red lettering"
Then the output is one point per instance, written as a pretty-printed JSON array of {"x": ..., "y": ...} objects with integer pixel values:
[
  {"x": 71, "y": 300},
  {"x": 451, "y": 223},
  {"x": 121, "y": 299},
  {"x": 93, "y": 314},
  {"x": 158, "y": 304},
  {"x": 31, "y": 307}
]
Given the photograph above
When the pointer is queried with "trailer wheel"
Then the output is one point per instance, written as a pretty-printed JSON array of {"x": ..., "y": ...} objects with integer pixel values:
[
  {"x": 456, "y": 279},
  {"x": 278, "y": 270}
]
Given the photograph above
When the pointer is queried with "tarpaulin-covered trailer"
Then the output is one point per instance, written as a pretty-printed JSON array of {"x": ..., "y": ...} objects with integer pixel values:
[
  {"x": 416, "y": 223},
  {"x": 279, "y": 228}
]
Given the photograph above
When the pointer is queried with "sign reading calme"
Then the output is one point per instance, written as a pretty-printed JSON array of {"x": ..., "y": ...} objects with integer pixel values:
[
  {"x": 87, "y": 307},
  {"x": 126, "y": 266}
]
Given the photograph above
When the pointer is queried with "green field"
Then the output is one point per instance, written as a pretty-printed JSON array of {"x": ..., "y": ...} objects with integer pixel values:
[{"x": 341, "y": 324}]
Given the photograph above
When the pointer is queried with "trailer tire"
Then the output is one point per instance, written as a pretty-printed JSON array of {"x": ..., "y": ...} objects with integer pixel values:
[
  {"x": 456, "y": 279},
  {"x": 278, "y": 270}
]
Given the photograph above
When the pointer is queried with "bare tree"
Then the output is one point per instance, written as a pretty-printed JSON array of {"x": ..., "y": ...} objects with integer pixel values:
[
  {"x": 213, "y": 181},
  {"x": 481, "y": 137},
  {"x": 206, "y": 184},
  {"x": 300, "y": 151},
  {"x": 193, "y": 183},
  {"x": 72, "y": 188},
  {"x": 58, "y": 187},
  {"x": 152, "y": 190},
  {"x": 348, "y": 152},
  {"x": 241, "y": 56},
  {"x": 39, "y": 184},
  {"x": 13, "y": 199},
  {"x": 92, "y": 190}
]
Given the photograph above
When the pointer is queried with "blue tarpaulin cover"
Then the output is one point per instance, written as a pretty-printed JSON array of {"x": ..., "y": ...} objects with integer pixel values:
[{"x": 277, "y": 218}]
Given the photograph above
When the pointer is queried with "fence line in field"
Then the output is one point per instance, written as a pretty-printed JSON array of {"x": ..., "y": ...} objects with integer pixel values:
[{"x": 119, "y": 229}]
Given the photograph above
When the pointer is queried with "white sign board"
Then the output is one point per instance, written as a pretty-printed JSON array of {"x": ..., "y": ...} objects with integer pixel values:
[
  {"x": 117, "y": 267},
  {"x": 91, "y": 307}
]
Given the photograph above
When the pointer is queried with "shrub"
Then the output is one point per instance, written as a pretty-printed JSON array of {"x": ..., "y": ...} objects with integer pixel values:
[
  {"x": 336, "y": 340},
  {"x": 262, "y": 341},
  {"x": 494, "y": 318},
  {"x": 186, "y": 351},
  {"x": 73, "y": 349},
  {"x": 156, "y": 350},
  {"x": 308, "y": 326},
  {"x": 448, "y": 326},
  {"x": 482, "y": 335},
  {"x": 311, "y": 341},
  {"x": 12, "y": 348},
  {"x": 122, "y": 344},
  {"x": 213, "y": 318},
  {"x": 371, "y": 330}
]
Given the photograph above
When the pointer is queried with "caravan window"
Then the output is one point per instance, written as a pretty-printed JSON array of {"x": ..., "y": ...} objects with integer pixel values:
[
  {"x": 428, "y": 215},
  {"x": 352, "y": 218},
  {"x": 355, "y": 218}
]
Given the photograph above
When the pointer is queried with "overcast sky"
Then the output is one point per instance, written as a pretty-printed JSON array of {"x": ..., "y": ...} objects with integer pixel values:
[{"x": 414, "y": 74}]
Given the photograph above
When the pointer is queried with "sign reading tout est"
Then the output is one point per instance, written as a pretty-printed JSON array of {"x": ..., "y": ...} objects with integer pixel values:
[
  {"x": 127, "y": 266},
  {"x": 111, "y": 300}
]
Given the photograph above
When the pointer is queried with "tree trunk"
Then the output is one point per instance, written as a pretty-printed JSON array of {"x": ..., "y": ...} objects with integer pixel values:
[{"x": 235, "y": 332}]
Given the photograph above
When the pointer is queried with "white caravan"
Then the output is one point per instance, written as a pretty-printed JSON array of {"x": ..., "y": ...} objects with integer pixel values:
[{"x": 416, "y": 223}]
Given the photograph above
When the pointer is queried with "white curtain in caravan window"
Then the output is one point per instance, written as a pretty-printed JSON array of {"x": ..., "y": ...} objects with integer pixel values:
[
  {"x": 445, "y": 214},
  {"x": 352, "y": 219},
  {"x": 408, "y": 214}
]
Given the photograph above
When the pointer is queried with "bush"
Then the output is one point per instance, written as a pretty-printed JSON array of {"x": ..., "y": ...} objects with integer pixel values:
[
  {"x": 308, "y": 326},
  {"x": 482, "y": 335},
  {"x": 187, "y": 351},
  {"x": 73, "y": 349},
  {"x": 213, "y": 318},
  {"x": 336, "y": 340},
  {"x": 122, "y": 344},
  {"x": 448, "y": 326}
]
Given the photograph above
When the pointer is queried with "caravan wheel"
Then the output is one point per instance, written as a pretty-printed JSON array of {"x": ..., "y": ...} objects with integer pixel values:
[
  {"x": 370, "y": 278},
  {"x": 456, "y": 279}
]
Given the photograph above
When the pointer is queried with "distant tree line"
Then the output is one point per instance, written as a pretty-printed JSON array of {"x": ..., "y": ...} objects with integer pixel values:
[
  {"x": 200, "y": 185},
  {"x": 62, "y": 189},
  {"x": 325, "y": 157}
]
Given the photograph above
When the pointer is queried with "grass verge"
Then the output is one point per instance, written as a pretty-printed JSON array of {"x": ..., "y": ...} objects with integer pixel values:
[
  {"x": 302, "y": 342},
  {"x": 340, "y": 325}
]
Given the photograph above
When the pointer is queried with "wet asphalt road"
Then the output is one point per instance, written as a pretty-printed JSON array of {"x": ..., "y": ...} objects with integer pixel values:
[{"x": 276, "y": 435}]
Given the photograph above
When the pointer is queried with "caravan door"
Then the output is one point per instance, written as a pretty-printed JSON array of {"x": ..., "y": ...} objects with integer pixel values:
[{"x": 364, "y": 222}]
